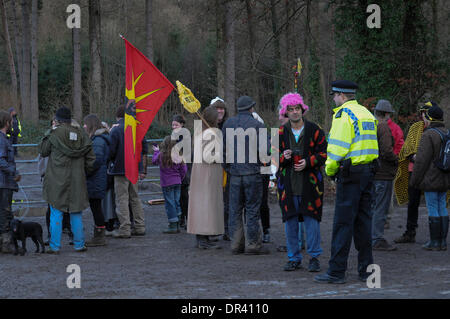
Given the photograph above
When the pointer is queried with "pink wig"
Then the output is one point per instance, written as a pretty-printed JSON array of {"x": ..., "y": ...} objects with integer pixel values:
[{"x": 292, "y": 99}]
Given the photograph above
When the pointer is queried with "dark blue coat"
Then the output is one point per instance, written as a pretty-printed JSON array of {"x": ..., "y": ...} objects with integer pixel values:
[
  {"x": 117, "y": 150},
  {"x": 96, "y": 183},
  {"x": 244, "y": 120},
  {"x": 7, "y": 164}
]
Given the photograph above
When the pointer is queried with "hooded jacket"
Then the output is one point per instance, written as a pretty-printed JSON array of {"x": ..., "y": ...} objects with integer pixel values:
[
  {"x": 71, "y": 157},
  {"x": 426, "y": 176},
  {"x": 7, "y": 164},
  {"x": 97, "y": 182}
]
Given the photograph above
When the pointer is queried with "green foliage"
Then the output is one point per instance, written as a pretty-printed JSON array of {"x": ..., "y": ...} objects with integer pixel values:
[
  {"x": 55, "y": 72},
  {"x": 391, "y": 62},
  {"x": 32, "y": 133},
  {"x": 157, "y": 130},
  {"x": 312, "y": 86}
]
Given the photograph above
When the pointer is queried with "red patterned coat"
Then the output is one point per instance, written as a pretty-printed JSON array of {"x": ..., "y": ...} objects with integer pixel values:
[{"x": 314, "y": 151}]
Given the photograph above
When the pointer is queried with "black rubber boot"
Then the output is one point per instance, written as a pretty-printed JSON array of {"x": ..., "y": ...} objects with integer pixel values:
[
  {"x": 435, "y": 234},
  {"x": 444, "y": 232}
]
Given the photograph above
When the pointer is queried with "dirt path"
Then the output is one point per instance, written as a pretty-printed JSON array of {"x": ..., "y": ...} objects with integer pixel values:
[{"x": 168, "y": 266}]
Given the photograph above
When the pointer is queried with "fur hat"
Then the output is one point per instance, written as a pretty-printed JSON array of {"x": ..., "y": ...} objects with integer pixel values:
[{"x": 292, "y": 99}]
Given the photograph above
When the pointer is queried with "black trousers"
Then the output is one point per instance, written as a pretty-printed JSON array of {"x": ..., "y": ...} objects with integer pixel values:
[
  {"x": 352, "y": 220},
  {"x": 184, "y": 200},
  {"x": 97, "y": 212},
  {"x": 413, "y": 208},
  {"x": 264, "y": 210},
  {"x": 6, "y": 214}
]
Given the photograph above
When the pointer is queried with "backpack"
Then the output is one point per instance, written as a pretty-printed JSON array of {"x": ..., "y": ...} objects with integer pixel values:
[{"x": 443, "y": 162}]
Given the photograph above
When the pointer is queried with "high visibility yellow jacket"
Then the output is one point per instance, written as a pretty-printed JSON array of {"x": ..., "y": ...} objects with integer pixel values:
[
  {"x": 353, "y": 135},
  {"x": 19, "y": 128}
]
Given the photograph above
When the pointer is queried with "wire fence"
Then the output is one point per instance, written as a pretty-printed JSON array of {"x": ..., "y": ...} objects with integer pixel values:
[{"x": 24, "y": 189}]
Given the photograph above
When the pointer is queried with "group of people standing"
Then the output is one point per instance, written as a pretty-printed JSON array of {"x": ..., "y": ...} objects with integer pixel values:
[{"x": 364, "y": 153}]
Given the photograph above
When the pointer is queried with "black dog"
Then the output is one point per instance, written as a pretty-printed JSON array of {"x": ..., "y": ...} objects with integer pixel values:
[{"x": 20, "y": 231}]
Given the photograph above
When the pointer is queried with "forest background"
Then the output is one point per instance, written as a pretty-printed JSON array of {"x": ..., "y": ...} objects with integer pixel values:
[{"x": 224, "y": 48}]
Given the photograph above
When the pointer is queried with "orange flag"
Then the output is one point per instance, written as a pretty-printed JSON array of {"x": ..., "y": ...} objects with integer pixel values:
[{"x": 146, "y": 89}]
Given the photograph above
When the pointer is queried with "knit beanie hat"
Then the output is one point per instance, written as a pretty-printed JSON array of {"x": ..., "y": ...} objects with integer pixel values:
[
  {"x": 63, "y": 114},
  {"x": 434, "y": 113}
]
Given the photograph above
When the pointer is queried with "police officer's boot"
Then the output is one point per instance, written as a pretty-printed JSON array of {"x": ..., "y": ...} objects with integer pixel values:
[
  {"x": 444, "y": 232},
  {"x": 435, "y": 234}
]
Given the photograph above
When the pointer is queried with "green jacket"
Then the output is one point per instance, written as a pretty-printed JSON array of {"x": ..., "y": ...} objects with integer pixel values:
[{"x": 71, "y": 157}]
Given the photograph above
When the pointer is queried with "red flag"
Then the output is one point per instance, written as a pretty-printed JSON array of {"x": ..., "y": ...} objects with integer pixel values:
[{"x": 146, "y": 89}]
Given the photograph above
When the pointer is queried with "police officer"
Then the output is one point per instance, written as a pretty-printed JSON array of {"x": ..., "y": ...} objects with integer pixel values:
[
  {"x": 16, "y": 129},
  {"x": 351, "y": 154}
]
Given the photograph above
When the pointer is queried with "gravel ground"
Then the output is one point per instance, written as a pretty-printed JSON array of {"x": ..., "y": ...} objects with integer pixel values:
[{"x": 169, "y": 266}]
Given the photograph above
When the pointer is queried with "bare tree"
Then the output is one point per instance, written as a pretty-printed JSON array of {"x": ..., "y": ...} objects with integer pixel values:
[
  {"x": 95, "y": 88},
  {"x": 18, "y": 45},
  {"x": 220, "y": 49},
  {"x": 230, "y": 72},
  {"x": 12, "y": 67},
  {"x": 34, "y": 95},
  {"x": 251, "y": 37},
  {"x": 76, "y": 90},
  {"x": 26, "y": 55},
  {"x": 149, "y": 28}
]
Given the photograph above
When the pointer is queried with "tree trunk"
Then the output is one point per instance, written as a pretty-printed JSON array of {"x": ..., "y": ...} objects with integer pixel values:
[
  {"x": 230, "y": 72},
  {"x": 26, "y": 54},
  {"x": 34, "y": 95},
  {"x": 254, "y": 85},
  {"x": 277, "y": 53},
  {"x": 76, "y": 94},
  {"x": 18, "y": 46},
  {"x": 220, "y": 48},
  {"x": 12, "y": 67},
  {"x": 149, "y": 28},
  {"x": 95, "y": 89}
]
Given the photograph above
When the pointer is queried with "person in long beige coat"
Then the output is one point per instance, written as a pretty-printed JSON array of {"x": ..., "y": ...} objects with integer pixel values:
[{"x": 205, "y": 210}]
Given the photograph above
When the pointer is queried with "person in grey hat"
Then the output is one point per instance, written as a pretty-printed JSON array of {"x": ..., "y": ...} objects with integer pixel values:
[
  {"x": 383, "y": 180},
  {"x": 244, "y": 178}
]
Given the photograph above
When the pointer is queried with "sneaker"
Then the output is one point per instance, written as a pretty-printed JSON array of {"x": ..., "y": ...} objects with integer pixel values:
[
  {"x": 314, "y": 265},
  {"x": 134, "y": 232},
  {"x": 52, "y": 252},
  {"x": 326, "y": 278},
  {"x": 282, "y": 249},
  {"x": 406, "y": 238},
  {"x": 257, "y": 251},
  {"x": 213, "y": 238},
  {"x": 226, "y": 237},
  {"x": 292, "y": 265},
  {"x": 109, "y": 233},
  {"x": 237, "y": 251},
  {"x": 266, "y": 238},
  {"x": 82, "y": 249},
  {"x": 383, "y": 245},
  {"x": 116, "y": 234}
]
